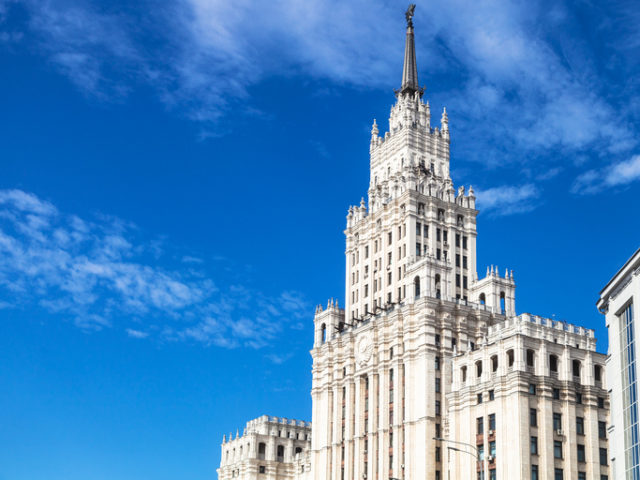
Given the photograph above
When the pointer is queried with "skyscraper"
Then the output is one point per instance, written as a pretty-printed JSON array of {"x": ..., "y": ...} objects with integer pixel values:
[{"x": 427, "y": 372}]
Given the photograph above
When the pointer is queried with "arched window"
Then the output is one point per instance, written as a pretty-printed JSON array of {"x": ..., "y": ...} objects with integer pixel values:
[
  {"x": 262, "y": 449},
  {"x": 463, "y": 373},
  {"x": 576, "y": 368},
  {"x": 494, "y": 363},
  {"x": 510, "y": 358},
  {"x": 531, "y": 358},
  {"x": 479, "y": 368},
  {"x": 437, "y": 281},
  {"x": 416, "y": 287},
  {"x": 482, "y": 299},
  {"x": 502, "y": 302},
  {"x": 298, "y": 450},
  {"x": 553, "y": 363},
  {"x": 597, "y": 373},
  {"x": 324, "y": 333}
]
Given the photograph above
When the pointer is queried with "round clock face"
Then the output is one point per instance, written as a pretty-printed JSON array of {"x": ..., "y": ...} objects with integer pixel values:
[{"x": 364, "y": 350}]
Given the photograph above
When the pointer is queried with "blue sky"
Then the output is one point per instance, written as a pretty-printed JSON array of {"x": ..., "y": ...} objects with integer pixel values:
[{"x": 175, "y": 177}]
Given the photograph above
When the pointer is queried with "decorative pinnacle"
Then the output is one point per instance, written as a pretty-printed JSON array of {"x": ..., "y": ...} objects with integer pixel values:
[{"x": 374, "y": 129}]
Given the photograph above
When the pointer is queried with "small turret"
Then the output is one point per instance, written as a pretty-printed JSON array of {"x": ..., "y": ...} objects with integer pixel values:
[{"x": 444, "y": 123}]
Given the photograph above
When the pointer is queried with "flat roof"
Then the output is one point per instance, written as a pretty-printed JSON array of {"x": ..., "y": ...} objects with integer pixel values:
[{"x": 630, "y": 260}]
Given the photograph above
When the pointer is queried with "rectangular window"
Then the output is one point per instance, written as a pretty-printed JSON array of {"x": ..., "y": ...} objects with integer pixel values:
[
  {"x": 578, "y": 398},
  {"x": 457, "y": 259},
  {"x": 581, "y": 457},
  {"x": 603, "y": 456},
  {"x": 438, "y": 254},
  {"x": 580, "y": 425},
  {"x": 438, "y": 430},
  {"x": 464, "y": 281},
  {"x": 438, "y": 234},
  {"x": 390, "y": 235},
  {"x": 557, "y": 421},
  {"x": 602, "y": 430},
  {"x": 366, "y": 251},
  {"x": 464, "y": 261},
  {"x": 437, "y": 454},
  {"x": 558, "y": 474},
  {"x": 464, "y": 242},
  {"x": 582, "y": 476},
  {"x": 492, "y": 448},
  {"x": 418, "y": 249},
  {"x": 492, "y": 422},
  {"x": 438, "y": 407},
  {"x": 533, "y": 417},
  {"x": 557, "y": 449},
  {"x": 479, "y": 398},
  {"x": 444, "y": 235},
  {"x": 418, "y": 229},
  {"x": 437, "y": 385},
  {"x": 437, "y": 363},
  {"x": 426, "y": 231},
  {"x": 437, "y": 340},
  {"x": 457, "y": 239},
  {"x": 556, "y": 394},
  {"x": 629, "y": 392},
  {"x": 389, "y": 258},
  {"x": 534, "y": 472},
  {"x": 457, "y": 279},
  {"x": 263, "y": 469},
  {"x": 534, "y": 445},
  {"x": 492, "y": 395},
  {"x": 479, "y": 426},
  {"x": 532, "y": 389}
]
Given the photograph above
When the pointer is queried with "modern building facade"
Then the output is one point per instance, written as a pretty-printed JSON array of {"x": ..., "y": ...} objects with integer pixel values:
[
  {"x": 427, "y": 372},
  {"x": 619, "y": 301}
]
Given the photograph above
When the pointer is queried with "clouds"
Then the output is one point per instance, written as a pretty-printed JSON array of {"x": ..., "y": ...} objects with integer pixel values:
[
  {"x": 524, "y": 82},
  {"x": 616, "y": 175},
  {"x": 203, "y": 56},
  {"x": 507, "y": 199},
  {"x": 102, "y": 273}
]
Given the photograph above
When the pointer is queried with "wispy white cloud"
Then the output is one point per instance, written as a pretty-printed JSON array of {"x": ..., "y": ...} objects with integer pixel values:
[
  {"x": 616, "y": 175},
  {"x": 101, "y": 274},
  {"x": 207, "y": 54},
  {"x": 136, "y": 333},
  {"x": 508, "y": 199}
]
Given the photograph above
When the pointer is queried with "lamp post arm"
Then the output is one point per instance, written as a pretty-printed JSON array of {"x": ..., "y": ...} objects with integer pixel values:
[{"x": 460, "y": 443}]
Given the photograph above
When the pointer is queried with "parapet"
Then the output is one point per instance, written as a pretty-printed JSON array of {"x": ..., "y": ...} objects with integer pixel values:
[{"x": 545, "y": 329}]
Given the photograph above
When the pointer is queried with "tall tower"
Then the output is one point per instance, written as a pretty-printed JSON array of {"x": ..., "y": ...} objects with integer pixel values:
[{"x": 382, "y": 365}]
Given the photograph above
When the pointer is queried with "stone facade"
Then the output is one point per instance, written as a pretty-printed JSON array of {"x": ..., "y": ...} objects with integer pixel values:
[
  {"x": 619, "y": 301},
  {"x": 389, "y": 400},
  {"x": 270, "y": 448},
  {"x": 531, "y": 399}
]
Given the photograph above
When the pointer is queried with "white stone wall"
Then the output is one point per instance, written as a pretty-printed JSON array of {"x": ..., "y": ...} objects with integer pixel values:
[
  {"x": 512, "y": 401},
  {"x": 241, "y": 456}
]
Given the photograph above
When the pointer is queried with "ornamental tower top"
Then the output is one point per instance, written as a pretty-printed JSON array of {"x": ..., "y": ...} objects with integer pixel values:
[{"x": 410, "y": 69}]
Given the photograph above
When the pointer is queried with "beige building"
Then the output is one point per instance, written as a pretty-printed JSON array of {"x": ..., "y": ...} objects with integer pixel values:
[
  {"x": 395, "y": 386},
  {"x": 619, "y": 301},
  {"x": 270, "y": 448},
  {"x": 531, "y": 400}
]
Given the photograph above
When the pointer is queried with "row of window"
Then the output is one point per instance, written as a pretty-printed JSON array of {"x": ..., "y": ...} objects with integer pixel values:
[
  {"x": 558, "y": 474},
  {"x": 576, "y": 365}
]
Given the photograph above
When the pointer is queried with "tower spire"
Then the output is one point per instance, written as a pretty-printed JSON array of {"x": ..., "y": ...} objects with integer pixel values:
[{"x": 410, "y": 68}]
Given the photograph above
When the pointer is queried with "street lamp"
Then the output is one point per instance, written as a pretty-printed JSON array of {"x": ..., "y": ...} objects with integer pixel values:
[{"x": 477, "y": 452}]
